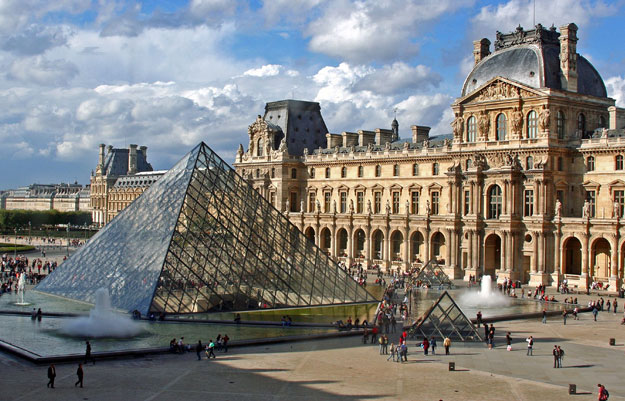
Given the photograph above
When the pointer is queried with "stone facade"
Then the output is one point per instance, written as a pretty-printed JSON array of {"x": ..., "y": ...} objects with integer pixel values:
[
  {"x": 61, "y": 197},
  {"x": 529, "y": 186}
]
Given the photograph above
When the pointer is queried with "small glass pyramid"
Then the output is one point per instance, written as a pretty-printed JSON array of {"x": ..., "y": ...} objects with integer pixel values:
[
  {"x": 201, "y": 239},
  {"x": 433, "y": 275},
  {"x": 445, "y": 319}
]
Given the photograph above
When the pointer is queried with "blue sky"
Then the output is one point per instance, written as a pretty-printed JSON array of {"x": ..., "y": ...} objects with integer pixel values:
[{"x": 168, "y": 74}]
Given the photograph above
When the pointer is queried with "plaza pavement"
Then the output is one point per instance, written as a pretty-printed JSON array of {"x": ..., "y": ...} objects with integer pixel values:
[{"x": 348, "y": 370}]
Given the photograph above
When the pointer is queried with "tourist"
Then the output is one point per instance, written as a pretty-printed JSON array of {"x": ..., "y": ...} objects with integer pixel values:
[
  {"x": 381, "y": 342},
  {"x": 614, "y": 305},
  {"x": 404, "y": 352},
  {"x": 393, "y": 352},
  {"x": 447, "y": 344},
  {"x": 609, "y": 306},
  {"x": 210, "y": 349},
  {"x": 51, "y": 376},
  {"x": 33, "y": 315},
  {"x": 544, "y": 316},
  {"x": 225, "y": 341},
  {"x": 181, "y": 345},
  {"x": 491, "y": 338},
  {"x": 365, "y": 335},
  {"x": 237, "y": 318},
  {"x": 564, "y": 315},
  {"x": 433, "y": 345},
  {"x": 603, "y": 394},
  {"x": 556, "y": 356},
  {"x": 575, "y": 312},
  {"x": 218, "y": 342},
  {"x": 560, "y": 356},
  {"x": 530, "y": 345},
  {"x": 374, "y": 335},
  {"x": 173, "y": 345},
  {"x": 80, "y": 375},
  {"x": 479, "y": 318},
  {"x": 508, "y": 341},
  {"x": 426, "y": 345},
  {"x": 39, "y": 314},
  {"x": 198, "y": 349},
  {"x": 595, "y": 312},
  {"x": 88, "y": 353}
]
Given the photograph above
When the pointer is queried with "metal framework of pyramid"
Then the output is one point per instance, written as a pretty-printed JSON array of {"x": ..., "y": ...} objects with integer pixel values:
[
  {"x": 433, "y": 275},
  {"x": 445, "y": 319},
  {"x": 201, "y": 239}
]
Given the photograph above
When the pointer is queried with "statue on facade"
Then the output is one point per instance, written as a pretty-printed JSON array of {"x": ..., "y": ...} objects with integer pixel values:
[
  {"x": 387, "y": 146},
  {"x": 544, "y": 119},
  {"x": 427, "y": 208},
  {"x": 301, "y": 206},
  {"x": 282, "y": 147},
  {"x": 407, "y": 207},
  {"x": 240, "y": 151},
  {"x": 388, "y": 207},
  {"x": 558, "y": 208},
  {"x": 458, "y": 126},
  {"x": 369, "y": 206},
  {"x": 318, "y": 204},
  {"x": 334, "y": 206},
  {"x": 351, "y": 206},
  {"x": 517, "y": 122},
  {"x": 586, "y": 209},
  {"x": 287, "y": 207},
  {"x": 484, "y": 125},
  {"x": 426, "y": 144},
  {"x": 406, "y": 146},
  {"x": 305, "y": 151},
  {"x": 616, "y": 210}
]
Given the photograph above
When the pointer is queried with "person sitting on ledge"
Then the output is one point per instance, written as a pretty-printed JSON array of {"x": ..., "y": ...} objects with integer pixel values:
[{"x": 237, "y": 318}]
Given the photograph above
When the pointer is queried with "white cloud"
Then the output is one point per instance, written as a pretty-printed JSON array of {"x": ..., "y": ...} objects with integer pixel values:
[
  {"x": 42, "y": 71},
  {"x": 268, "y": 70},
  {"x": 616, "y": 89},
  {"x": 398, "y": 77},
  {"x": 287, "y": 11}
]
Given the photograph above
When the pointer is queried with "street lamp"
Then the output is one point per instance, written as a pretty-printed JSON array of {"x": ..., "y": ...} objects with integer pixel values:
[{"x": 68, "y": 239}]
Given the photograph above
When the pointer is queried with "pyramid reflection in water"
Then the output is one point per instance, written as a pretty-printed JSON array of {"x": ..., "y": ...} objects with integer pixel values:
[{"x": 201, "y": 239}]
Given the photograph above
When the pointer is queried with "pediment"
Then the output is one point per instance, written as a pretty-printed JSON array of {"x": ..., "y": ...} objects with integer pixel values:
[
  {"x": 435, "y": 186},
  {"x": 591, "y": 184},
  {"x": 499, "y": 88},
  {"x": 617, "y": 183},
  {"x": 377, "y": 187},
  {"x": 416, "y": 187}
]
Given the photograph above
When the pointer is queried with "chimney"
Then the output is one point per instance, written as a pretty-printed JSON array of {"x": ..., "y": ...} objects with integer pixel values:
[
  {"x": 101, "y": 156},
  {"x": 420, "y": 133},
  {"x": 132, "y": 159},
  {"x": 144, "y": 150},
  {"x": 568, "y": 57},
  {"x": 481, "y": 49}
]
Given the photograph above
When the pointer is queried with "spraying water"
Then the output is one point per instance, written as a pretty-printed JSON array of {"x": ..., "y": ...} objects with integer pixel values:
[
  {"x": 102, "y": 321},
  {"x": 21, "y": 284},
  {"x": 485, "y": 296}
]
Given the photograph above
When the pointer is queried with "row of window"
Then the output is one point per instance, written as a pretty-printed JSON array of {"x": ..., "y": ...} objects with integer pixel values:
[
  {"x": 618, "y": 163},
  {"x": 377, "y": 172}
]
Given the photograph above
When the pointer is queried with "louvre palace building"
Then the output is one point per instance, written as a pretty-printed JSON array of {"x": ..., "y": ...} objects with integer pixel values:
[{"x": 529, "y": 186}]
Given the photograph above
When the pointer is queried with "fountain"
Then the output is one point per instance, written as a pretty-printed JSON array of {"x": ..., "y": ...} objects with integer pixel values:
[
  {"x": 21, "y": 283},
  {"x": 485, "y": 296},
  {"x": 102, "y": 321}
]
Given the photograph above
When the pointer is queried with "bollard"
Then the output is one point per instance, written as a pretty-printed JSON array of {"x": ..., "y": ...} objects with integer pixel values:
[
  {"x": 612, "y": 341},
  {"x": 572, "y": 389},
  {"x": 452, "y": 366}
]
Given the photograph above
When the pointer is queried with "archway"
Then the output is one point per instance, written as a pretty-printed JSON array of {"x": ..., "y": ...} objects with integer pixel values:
[
  {"x": 438, "y": 247},
  {"x": 325, "y": 240},
  {"x": 416, "y": 247},
  {"x": 601, "y": 258},
  {"x": 397, "y": 246},
  {"x": 492, "y": 254},
  {"x": 359, "y": 244},
  {"x": 341, "y": 243},
  {"x": 310, "y": 234},
  {"x": 572, "y": 256},
  {"x": 378, "y": 244}
]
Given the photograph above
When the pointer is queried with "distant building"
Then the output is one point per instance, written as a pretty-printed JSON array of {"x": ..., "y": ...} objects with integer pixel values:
[
  {"x": 120, "y": 177},
  {"x": 61, "y": 197}
]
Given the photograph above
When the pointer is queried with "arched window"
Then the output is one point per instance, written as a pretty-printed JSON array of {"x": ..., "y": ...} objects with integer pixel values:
[
  {"x": 529, "y": 163},
  {"x": 259, "y": 147},
  {"x": 581, "y": 124},
  {"x": 494, "y": 202},
  {"x": 293, "y": 173},
  {"x": 378, "y": 171},
  {"x": 312, "y": 172},
  {"x": 343, "y": 172},
  {"x": 590, "y": 163},
  {"x": 360, "y": 171},
  {"x": 619, "y": 162},
  {"x": 396, "y": 170},
  {"x": 560, "y": 120},
  {"x": 327, "y": 172},
  {"x": 471, "y": 129},
  {"x": 502, "y": 127},
  {"x": 532, "y": 125},
  {"x": 435, "y": 169},
  {"x": 560, "y": 164},
  {"x": 415, "y": 169}
]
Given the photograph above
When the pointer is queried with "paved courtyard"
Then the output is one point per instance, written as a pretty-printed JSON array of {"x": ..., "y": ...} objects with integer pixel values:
[{"x": 347, "y": 369}]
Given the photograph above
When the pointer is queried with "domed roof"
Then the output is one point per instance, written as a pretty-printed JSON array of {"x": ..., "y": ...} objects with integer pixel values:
[{"x": 532, "y": 58}]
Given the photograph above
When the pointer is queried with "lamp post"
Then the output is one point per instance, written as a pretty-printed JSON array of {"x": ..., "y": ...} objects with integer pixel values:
[
  {"x": 68, "y": 239},
  {"x": 15, "y": 249}
]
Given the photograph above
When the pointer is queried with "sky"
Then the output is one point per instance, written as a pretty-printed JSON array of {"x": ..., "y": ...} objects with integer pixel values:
[{"x": 168, "y": 74}]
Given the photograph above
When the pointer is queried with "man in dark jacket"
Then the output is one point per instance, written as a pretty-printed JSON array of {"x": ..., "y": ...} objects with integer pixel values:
[
  {"x": 80, "y": 375},
  {"x": 51, "y": 375}
]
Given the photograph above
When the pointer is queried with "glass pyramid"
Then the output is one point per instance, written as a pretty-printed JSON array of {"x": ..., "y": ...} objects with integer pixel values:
[
  {"x": 201, "y": 239},
  {"x": 433, "y": 275},
  {"x": 445, "y": 319}
]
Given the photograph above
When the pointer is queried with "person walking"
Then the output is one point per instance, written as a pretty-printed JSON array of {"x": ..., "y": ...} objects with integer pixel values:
[
  {"x": 393, "y": 352},
  {"x": 51, "y": 376},
  {"x": 447, "y": 344},
  {"x": 603, "y": 394},
  {"x": 564, "y": 315},
  {"x": 595, "y": 312},
  {"x": 88, "y": 353},
  {"x": 614, "y": 305},
  {"x": 560, "y": 356},
  {"x": 478, "y": 318},
  {"x": 80, "y": 374},
  {"x": 226, "y": 339},
  {"x": 433, "y": 345},
  {"x": 530, "y": 345},
  {"x": 544, "y": 316},
  {"x": 426, "y": 345},
  {"x": 198, "y": 349},
  {"x": 381, "y": 341},
  {"x": 609, "y": 306},
  {"x": 556, "y": 356},
  {"x": 508, "y": 341},
  {"x": 210, "y": 349}
]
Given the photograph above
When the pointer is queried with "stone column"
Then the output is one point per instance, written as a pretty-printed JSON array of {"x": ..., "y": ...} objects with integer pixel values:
[
  {"x": 538, "y": 197},
  {"x": 350, "y": 250},
  {"x": 614, "y": 279},
  {"x": 426, "y": 244},
  {"x": 472, "y": 197},
  {"x": 368, "y": 246},
  {"x": 534, "y": 266},
  {"x": 505, "y": 197},
  {"x": 557, "y": 257},
  {"x": 541, "y": 252},
  {"x": 470, "y": 250},
  {"x": 504, "y": 251},
  {"x": 386, "y": 250},
  {"x": 585, "y": 254},
  {"x": 448, "y": 247}
]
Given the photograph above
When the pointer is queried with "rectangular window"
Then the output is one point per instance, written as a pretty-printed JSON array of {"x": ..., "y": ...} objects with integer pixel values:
[
  {"x": 377, "y": 202},
  {"x": 327, "y": 196},
  {"x": 414, "y": 202},
  {"x": 272, "y": 198},
  {"x": 435, "y": 196},
  {"x": 360, "y": 200},
  {"x": 619, "y": 197},
  {"x": 395, "y": 202},
  {"x": 343, "y": 202},
  {"x": 592, "y": 201},
  {"x": 529, "y": 203},
  {"x": 311, "y": 202},
  {"x": 467, "y": 202},
  {"x": 293, "y": 206}
]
